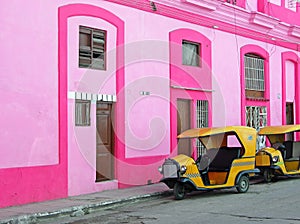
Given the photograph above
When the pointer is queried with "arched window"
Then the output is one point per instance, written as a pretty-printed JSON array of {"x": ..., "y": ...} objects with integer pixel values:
[
  {"x": 255, "y": 94},
  {"x": 254, "y": 76}
]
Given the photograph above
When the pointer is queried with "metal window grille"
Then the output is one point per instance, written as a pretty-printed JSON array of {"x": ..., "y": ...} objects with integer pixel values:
[
  {"x": 254, "y": 73},
  {"x": 256, "y": 117},
  {"x": 202, "y": 121},
  {"x": 82, "y": 112}
]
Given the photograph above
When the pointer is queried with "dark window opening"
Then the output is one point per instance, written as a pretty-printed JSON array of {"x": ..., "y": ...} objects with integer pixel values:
[
  {"x": 82, "y": 112},
  {"x": 92, "y": 47},
  {"x": 191, "y": 53}
]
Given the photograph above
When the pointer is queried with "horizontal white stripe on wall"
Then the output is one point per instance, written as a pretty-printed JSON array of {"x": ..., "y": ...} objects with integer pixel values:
[{"x": 92, "y": 96}]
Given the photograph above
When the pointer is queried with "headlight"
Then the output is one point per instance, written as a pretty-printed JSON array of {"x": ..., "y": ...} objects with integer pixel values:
[
  {"x": 182, "y": 169},
  {"x": 275, "y": 159},
  {"x": 160, "y": 169}
]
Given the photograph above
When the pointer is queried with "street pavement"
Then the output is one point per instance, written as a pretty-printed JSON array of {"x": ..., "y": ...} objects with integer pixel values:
[
  {"x": 83, "y": 204},
  {"x": 79, "y": 205}
]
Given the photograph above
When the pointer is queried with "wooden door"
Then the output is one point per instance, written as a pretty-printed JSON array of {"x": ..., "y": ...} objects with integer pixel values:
[
  {"x": 183, "y": 123},
  {"x": 104, "y": 136}
]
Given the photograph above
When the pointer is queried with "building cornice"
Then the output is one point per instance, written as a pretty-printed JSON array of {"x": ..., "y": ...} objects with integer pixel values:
[
  {"x": 294, "y": 31},
  {"x": 225, "y": 17},
  {"x": 204, "y": 4},
  {"x": 263, "y": 20}
]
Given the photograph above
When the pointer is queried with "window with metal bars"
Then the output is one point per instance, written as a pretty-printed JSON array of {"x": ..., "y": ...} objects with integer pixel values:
[
  {"x": 82, "y": 112},
  {"x": 202, "y": 121},
  {"x": 254, "y": 76},
  {"x": 92, "y": 47},
  {"x": 256, "y": 117}
]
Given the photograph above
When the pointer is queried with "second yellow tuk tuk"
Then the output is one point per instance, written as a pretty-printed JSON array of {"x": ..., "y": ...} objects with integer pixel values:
[
  {"x": 282, "y": 157},
  {"x": 229, "y": 161}
]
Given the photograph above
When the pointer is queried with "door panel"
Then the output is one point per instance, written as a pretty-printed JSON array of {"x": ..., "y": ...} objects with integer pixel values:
[
  {"x": 289, "y": 113},
  {"x": 183, "y": 123},
  {"x": 290, "y": 119},
  {"x": 104, "y": 136}
]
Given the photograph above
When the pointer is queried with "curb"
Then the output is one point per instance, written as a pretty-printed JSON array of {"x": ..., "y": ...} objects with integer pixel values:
[{"x": 79, "y": 210}]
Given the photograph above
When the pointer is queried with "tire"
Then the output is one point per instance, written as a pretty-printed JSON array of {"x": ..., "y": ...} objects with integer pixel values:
[
  {"x": 268, "y": 175},
  {"x": 243, "y": 184},
  {"x": 179, "y": 191}
]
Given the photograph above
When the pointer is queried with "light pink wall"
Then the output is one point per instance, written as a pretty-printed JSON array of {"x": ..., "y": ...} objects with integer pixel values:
[
  {"x": 29, "y": 130},
  {"x": 147, "y": 116},
  {"x": 251, "y": 5},
  {"x": 275, "y": 66},
  {"x": 276, "y": 2},
  {"x": 226, "y": 79}
]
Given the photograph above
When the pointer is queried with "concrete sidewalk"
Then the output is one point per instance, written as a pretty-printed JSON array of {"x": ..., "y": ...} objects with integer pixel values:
[{"x": 79, "y": 205}]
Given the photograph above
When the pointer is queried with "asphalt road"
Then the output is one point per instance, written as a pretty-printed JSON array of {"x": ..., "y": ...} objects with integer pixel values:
[{"x": 277, "y": 202}]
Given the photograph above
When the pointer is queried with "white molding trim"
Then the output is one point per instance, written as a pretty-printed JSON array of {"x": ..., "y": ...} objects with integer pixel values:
[
  {"x": 205, "y": 4},
  {"x": 192, "y": 88},
  {"x": 92, "y": 96}
]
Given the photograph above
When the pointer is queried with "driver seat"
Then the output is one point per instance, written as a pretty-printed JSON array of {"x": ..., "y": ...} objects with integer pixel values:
[{"x": 203, "y": 167}]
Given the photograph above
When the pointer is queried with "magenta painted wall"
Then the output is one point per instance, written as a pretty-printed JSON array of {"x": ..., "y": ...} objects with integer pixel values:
[{"x": 44, "y": 156}]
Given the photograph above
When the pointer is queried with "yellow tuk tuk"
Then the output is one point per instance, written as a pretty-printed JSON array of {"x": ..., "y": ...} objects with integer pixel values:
[
  {"x": 228, "y": 162},
  {"x": 282, "y": 158}
]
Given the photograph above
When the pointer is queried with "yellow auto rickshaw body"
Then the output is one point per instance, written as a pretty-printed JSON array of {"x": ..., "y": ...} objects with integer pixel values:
[
  {"x": 222, "y": 166},
  {"x": 283, "y": 157}
]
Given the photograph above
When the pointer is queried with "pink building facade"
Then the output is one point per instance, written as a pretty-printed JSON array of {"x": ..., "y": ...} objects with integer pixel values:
[{"x": 95, "y": 93}]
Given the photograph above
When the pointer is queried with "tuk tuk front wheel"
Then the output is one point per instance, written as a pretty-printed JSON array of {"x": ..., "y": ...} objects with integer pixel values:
[
  {"x": 179, "y": 191},
  {"x": 243, "y": 184},
  {"x": 268, "y": 175}
]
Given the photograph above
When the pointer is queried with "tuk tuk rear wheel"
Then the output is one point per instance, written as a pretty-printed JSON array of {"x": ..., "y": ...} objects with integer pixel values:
[
  {"x": 243, "y": 184},
  {"x": 179, "y": 191}
]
